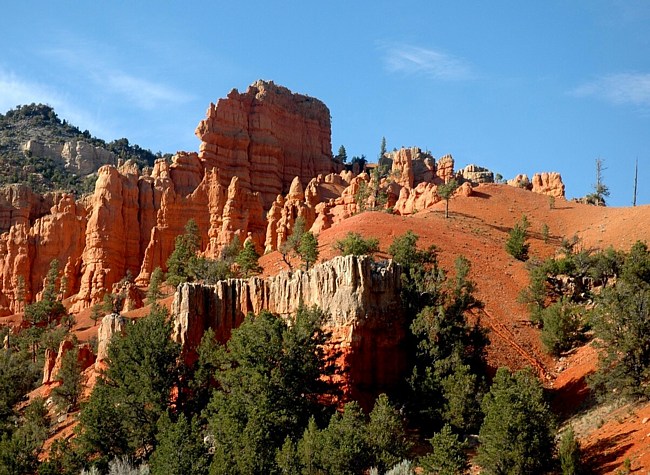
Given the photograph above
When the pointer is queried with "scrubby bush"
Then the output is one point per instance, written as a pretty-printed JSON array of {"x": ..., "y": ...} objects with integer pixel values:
[
  {"x": 354, "y": 244},
  {"x": 516, "y": 244}
]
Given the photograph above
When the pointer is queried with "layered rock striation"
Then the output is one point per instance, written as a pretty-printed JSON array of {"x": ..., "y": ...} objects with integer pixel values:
[
  {"x": 360, "y": 297},
  {"x": 266, "y": 137}
]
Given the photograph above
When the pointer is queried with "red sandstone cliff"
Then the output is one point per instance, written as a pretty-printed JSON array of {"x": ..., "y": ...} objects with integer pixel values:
[{"x": 266, "y": 137}]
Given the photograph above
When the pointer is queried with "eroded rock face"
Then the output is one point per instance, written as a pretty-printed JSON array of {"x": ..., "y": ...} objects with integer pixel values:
[
  {"x": 54, "y": 360},
  {"x": 254, "y": 145},
  {"x": 521, "y": 181},
  {"x": 445, "y": 168},
  {"x": 412, "y": 166},
  {"x": 266, "y": 137},
  {"x": 548, "y": 184},
  {"x": 29, "y": 246},
  {"x": 110, "y": 325},
  {"x": 360, "y": 297},
  {"x": 544, "y": 183},
  {"x": 477, "y": 174}
]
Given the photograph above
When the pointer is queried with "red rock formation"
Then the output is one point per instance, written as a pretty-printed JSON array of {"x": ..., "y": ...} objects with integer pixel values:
[
  {"x": 254, "y": 145},
  {"x": 548, "y": 184},
  {"x": 520, "y": 181},
  {"x": 28, "y": 248},
  {"x": 360, "y": 297},
  {"x": 413, "y": 200},
  {"x": 543, "y": 183},
  {"x": 402, "y": 169},
  {"x": 445, "y": 168},
  {"x": 48, "y": 366},
  {"x": 477, "y": 174},
  {"x": 54, "y": 360},
  {"x": 411, "y": 166},
  {"x": 266, "y": 137},
  {"x": 64, "y": 347}
]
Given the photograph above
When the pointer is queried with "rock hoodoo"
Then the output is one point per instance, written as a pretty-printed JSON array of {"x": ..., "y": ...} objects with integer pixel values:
[{"x": 360, "y": 297}]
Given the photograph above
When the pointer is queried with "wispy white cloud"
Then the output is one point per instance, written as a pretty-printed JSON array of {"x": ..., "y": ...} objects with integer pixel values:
[
  {"x": 15, "y": 90},
  {"x": 618, "y": 89},
  {"x": 144, "y": 93},
  {"x": 409, "y": 59},
  {"x": 110, "y": 79}
]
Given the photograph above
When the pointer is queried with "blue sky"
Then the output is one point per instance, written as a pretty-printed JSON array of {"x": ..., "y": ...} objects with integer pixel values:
[{"x": 517, "y": 87}]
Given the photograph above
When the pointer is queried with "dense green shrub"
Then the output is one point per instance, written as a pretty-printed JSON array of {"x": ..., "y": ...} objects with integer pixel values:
[
  {"x": 518, "y": 430},
  {"x": 562, "y": 322},
  {"x": 354, "y": 244}
]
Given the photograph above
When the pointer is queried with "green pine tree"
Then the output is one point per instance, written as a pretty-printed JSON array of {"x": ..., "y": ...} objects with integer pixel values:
[
  {"x": 183, "y": 260},
  {"x": 385, "y": 435},
  {"x": 135, "y": 390},
  {"x": 308, "y": 249},
  {"x": 516, "y": 244},
  {"x": 154, "y": 293},
  {"x": 518, "y": 426},
  {"x": 248, "y": 260},
  {"x": 180, "y": 448},
  {"x": 446, "y": 191},
  {"x": 448, "y": 456},
  {"x": 67, "y": 394}
]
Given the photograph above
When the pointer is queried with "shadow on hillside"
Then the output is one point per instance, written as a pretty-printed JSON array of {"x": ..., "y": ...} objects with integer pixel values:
[
  {"x": 574, "y": 396},
  {"x": 479, "y": 194},
  {"x": 602, "y": 457}
]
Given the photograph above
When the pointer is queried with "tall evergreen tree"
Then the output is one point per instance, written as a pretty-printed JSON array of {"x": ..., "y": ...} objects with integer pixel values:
[
  {"x": 248, "y": 259},
  {"x": 385, "y": 435},
  {"x": 270, "y": 374},
  {"x": 308, "y": 249},
  {"x": 49, "y": 308},
  {"x": 154, "y": 293},
  {"x": 180, "y": 448},
  {"x": 183, "y": 260},
  {"x": 517, "y": 435},
  {"x": 68, "y": 393},
  {"x": 342, "y": 155}
]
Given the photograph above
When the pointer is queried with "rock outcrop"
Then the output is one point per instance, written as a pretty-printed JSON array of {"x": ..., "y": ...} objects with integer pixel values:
[
  {"x": 360, "y": 297},
  {"x": 110, "y": 325},
  {"x": 548, "y": 184},
  {"x": 54, "y": 360},
  {"x": 445, "y": 168},
  {"x": 477, "y": 174},
  {"x": 411, "y": 166},
  {"x": 266, "y": 137},
  {"x": 544, "y": 183},
  {"x": 254, "y": 145},
  {"x": 77, "y": 156}
]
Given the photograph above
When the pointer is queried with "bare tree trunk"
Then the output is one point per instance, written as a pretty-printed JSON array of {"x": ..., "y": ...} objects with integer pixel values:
[{"x": 636, "y": 177}]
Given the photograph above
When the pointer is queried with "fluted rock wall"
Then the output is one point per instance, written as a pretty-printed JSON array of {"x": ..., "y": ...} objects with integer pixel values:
[
  {"x": 360, "y": 297},
  {"x": 266, "y": 137}
]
